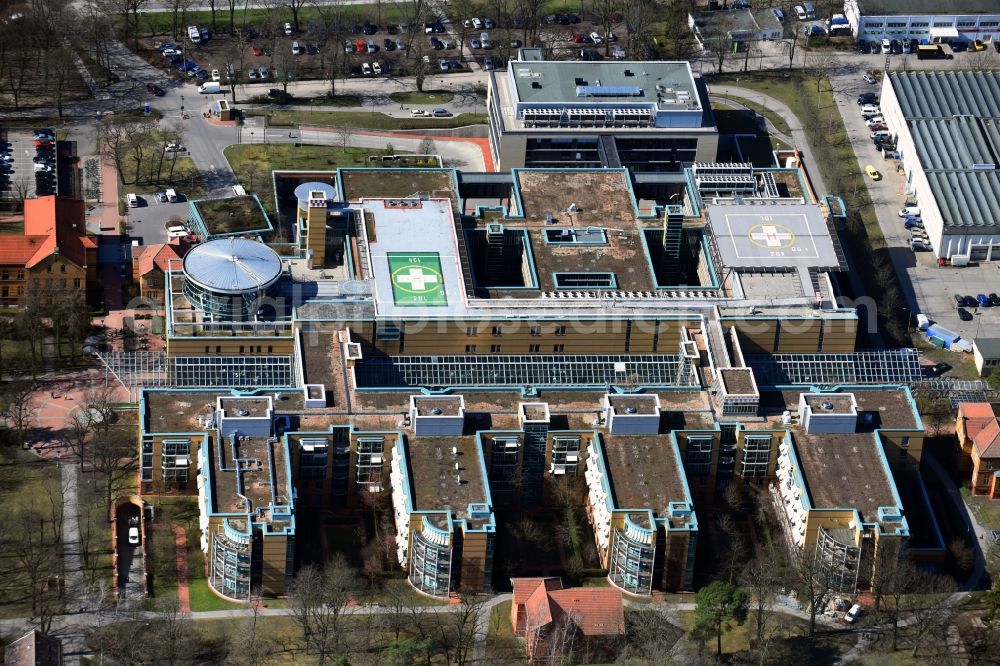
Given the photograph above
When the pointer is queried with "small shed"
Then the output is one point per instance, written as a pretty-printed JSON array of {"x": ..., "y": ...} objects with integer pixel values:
[{"x": 222, "y": 110}]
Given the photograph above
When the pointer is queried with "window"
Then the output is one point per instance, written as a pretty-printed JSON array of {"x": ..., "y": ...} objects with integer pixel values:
[
  {"x": 904, "y": 442},
  {"x": 536, "y": 330},
  {"x": 76, "y": 283},
  {"x": 206, "y": 349},
  {"x": 20, "y": 275},
  {"x": 270, "y": 348},
  {"x": 919, "y": 24},
  {"x": 471, "y": 330},
  {"x": 966, "y": 24},
  {"x": 5, "y": 292},
  {"x": 218, "y": 349},
  {"x": 497, "y": 330},
  {"x": 558, "y": 349},
  {"x": 20, "y": 291},
  {"x": 560, "y": 330},
  {"x": 897, "y": 25},
  {"x": 48, "y": 269},
  {"x": 470, "y": 349},
  {"x": 241, "y": 349},
  {"x": 534, "y": 349},
  {"x": 585, "y": 280},
  {"x": 5, "y": 275},
  {"x": 989, "y": 24},
  {"x": 62, "y": 268},
  {"x": 942, "y": 24},
  {"x": 989, "y": 464},
  {"x": 494, "y": 349}
]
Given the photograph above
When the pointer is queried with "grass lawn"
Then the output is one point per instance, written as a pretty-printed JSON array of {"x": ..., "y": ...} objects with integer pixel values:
[
  {"x": 323, "y": 100},
  {"x": 425, "y": 97},
  {"x": 26, "y": 484},
  {"x": 202, "y": 598},
  {"x": 596, "y": 581},
  {"x": 500, "y": 626},
  {"x": 987, "y": 511},
  {"x": 368, "y": 120},
  {"x": 779, "y": 123},
  {"x": 186, "y": 178},
  {"x": 232, "y": 215},
  {"x": 393, "y": 588},
  {"x": 287, "y": 156},
  {"x": 963, "y": 364}
]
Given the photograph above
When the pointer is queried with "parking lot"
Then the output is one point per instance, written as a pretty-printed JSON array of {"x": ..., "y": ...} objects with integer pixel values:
[
  {"x": 18, "y": 179},
  {"x": 931, "y": 288}
]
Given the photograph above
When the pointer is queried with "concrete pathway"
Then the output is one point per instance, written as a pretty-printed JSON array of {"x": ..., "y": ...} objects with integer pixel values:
[
  {"x": 72, "y": 546},
  {"x": 180, "y": 556}
]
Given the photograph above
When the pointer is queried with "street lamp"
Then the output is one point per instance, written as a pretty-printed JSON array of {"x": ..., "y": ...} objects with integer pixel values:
[
  {"x": 909, "y": 316},
  {"x": 182, "y": 106}
]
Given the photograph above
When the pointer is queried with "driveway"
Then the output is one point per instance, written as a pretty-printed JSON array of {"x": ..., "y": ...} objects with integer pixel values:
[
  {"x": 130, "y": 562},
  {"x": 148, "y": 222}
]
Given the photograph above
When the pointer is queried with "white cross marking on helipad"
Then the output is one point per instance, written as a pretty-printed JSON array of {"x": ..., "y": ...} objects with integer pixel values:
[
  {"x": 771, "y": 236},
  {"x": 418, "y": 279}
]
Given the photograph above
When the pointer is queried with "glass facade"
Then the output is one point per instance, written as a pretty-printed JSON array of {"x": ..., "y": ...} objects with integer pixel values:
[
  {"x": 565, "y": 455},
  {"x": 631, "y": 562},
  {"x": 370, "y": 461},
  {"x": 869, "y": 367},
  {"x": 756, "y": 456},
  {"x": 527, "y": 370},
  {"x": 231, "y": 564},
  {"x": 504, "y": 464},
  {"x": 430, "y": 564},
  {"x": 155, "y": 369},
  {"x": 838, "y": 560}
]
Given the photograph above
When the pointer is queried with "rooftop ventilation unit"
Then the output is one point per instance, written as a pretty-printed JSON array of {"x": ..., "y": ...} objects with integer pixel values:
[{"x": 436, "y": 411}]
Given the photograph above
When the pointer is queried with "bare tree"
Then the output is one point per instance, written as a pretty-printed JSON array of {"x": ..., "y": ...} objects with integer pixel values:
[
  {"x": 318, "y": 597},
  {"x": 130, "y": 11},
  {"x": 250, "y": 644},
  {"x": 762, "y": 577},
  {"x": 295, "y": 6},
  {"x": 113, "y": 461},
  {"x": 21, "y": 406},
  {"x": 36, "y": 558},
  {"x": 810, "y": 578}
]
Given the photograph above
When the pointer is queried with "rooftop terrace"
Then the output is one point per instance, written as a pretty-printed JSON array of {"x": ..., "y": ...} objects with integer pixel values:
[
  {"x": 253, "y": 468},
  {"x": 644, "y": 472},
  {"x": 178, "y": 411},
  {"x": 231, "y": 215}
]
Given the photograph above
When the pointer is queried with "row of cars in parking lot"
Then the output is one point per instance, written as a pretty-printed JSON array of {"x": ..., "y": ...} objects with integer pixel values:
[
  {"x": 43, "y": 161},
  {"x": 963, "y": 303}
]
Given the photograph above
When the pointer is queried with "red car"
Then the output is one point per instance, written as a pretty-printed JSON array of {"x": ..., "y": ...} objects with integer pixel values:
[
  {"x": 360, "y": 46},
  {"x": 256, "y": 51},
  {"x": 577, "y": 38},
  {"x": 877, "y": 127},
  {"x": 42, "y": 142}
]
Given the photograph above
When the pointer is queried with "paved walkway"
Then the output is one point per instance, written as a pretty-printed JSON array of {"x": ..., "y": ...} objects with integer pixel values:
[
  {"x": 180, "y": 556},
  {"x": 72, "y": 546}
]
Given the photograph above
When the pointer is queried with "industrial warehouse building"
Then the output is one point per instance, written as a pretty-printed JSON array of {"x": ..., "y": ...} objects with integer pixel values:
[
  {"x": 947, "y": 135},
  {"x": 927, "y": 21}
]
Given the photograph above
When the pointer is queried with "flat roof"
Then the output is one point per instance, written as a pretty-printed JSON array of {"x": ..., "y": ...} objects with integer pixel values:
[
  {"x": 758, "y": 283},
  {"x": 644, "y": 472},
  {"x": 757, "y": 236},
  {"x": 926, "y": 7},
  {"x": 830, "y": 403},
  {"x": 433, "y": 477},
  {"x": 414, "y": 257},
  {"x": 738, "y": 381},
  {"x": 844, "y": 471},
  {"x": 232, "y": 265},
  {"x": 634, "y": 405},
  {"x": 176, "y": 411},
  {"x": 392, "y": 183},
  {"x": 319, "y": 351},
  {"x": 555, "y": 82},
  {"x": 446, "y": 406},
  {"x": 893, "y": 406},
  {"x": 254, "y": 480},
  {"x": 602, "y": 200},
  {"x": 252, "y": 406}
]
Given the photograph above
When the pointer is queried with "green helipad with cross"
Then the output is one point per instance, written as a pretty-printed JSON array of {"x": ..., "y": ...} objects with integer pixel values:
[{"x": 416, "y": 278}]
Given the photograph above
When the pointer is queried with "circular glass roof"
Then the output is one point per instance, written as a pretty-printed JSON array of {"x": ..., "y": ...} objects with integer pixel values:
[{"x": 232, "y": 265}]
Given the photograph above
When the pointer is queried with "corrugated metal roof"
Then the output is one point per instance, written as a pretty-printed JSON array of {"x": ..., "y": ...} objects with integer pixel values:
[
  {"x": 967, "y": 198},
  {"x": 946, "y": 94},
  {"x": 232, "y": 265},
  {"x": 952, "y": 144}
]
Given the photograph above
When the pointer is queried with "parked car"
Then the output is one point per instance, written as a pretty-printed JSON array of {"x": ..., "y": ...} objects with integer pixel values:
[
  {"x": 869, "y": 79},
  {"x": 372, "y": 48},
  {"x": 913, "y": 224},
  {"x": 42, "y": 168},
  {"x": 201, "y": 74},
  {"x": 400, "y": 44},
  {"x": 370, "y": 29},
  {"x": 489, "y": 24},
  {"x": 959, "y": 300},
  {"x": 161, "y": 196},
  {"x": 597, "y": 39},
  {"x": 133, "y": 536},
  {"x": 288, "y": 28},
  {"x": 366, "y": 69},
  {"x": 977, "y": 45},
  {"x": 376, "y": 68},
  {"x": 441, "y": 113},
  {"x": 873, "y": 172},
  {"x": 204, "y": 34},
  {"x": 216, "y": 75},
  {"x": 252, "y": 74},
  {"x": 909, "y": 210},
  {"x": 453, "y": 63},
  {"x": 443, "y": 64},
  {"x": 984, "y": 300},
  {"x": 964, "y": 314},
  {"x": 474, "y": 43},
  {"x": 418, "y": 113},
  {"x": 970, "y": 302},
  {"x": 994, "y": 299},
  {"x": 256, "y": 51},
  {"x": 388, "y": 44}
]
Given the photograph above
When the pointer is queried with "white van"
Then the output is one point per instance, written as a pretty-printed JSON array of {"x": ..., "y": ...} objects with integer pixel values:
[
  {"x": 132, "y": 199},
  {"x": 177, "y": 234},
  {"x": 194, "y": 34},
  {"x": 800, "y": 12},
  {"x": 177, "y": 229},
  {"x": 851, "y": 615},
  {"x": 171, "y": 196},
  {"x": 870, "y": 108},
  {"x": 210, "y": 88}
]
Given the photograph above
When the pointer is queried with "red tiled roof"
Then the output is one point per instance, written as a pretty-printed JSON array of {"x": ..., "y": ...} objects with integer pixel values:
[
  {"x": 158, "y": 256},
  {"x": 987, "y": 440},
  {"x": 596, "y": 611},
  {"x": 525, "y": 587},
  {"x": 17, "y": 250},
  {"x": 63, "y": 224}
]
